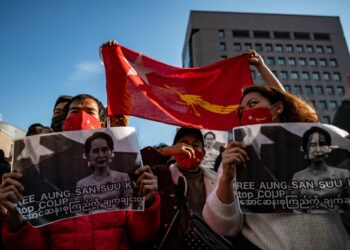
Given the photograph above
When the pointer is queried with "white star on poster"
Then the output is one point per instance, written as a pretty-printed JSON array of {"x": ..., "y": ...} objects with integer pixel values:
[
  {"x": 255, "y": 138},
  {"x": 138, "y": 69},
  {"x": 33, "y": 150}
]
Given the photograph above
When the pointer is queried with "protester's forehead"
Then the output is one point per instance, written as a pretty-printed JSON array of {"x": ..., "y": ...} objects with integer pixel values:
[
  {"x": 60, "y": 106},
  {"x": 252, "y": 95},
  {"x": 86, "y": 102},
  {"x": 189, "y": 138}
]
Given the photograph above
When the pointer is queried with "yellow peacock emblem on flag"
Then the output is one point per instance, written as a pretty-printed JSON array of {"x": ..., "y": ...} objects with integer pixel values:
[{"x": 196, "y": 100}]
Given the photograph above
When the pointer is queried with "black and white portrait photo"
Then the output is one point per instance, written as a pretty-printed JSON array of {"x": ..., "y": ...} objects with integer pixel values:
[
  {"x": 214, "y": 141},
  {"x": 329, "y": 182},
  {"x": 108, "y": 183},
  {"x": 294, "y": 168},
  {"x": 74, "y": 173}
]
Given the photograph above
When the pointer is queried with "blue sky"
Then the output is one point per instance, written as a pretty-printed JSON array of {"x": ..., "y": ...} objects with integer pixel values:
[{"x": 49, "y": 48}]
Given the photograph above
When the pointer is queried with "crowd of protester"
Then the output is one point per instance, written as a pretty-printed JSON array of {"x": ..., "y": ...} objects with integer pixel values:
[{"x": 178, "y": 170}]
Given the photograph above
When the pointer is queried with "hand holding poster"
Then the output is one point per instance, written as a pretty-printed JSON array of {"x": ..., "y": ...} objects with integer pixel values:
[
  {"x": 75, "y": 173},
  {"x": 294, "y": 168}
]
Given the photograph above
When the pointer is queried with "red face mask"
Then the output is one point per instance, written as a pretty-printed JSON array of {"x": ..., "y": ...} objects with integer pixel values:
[
  {"x": 190, "y": 163},
  {"x": 81, "y": 121},
  {"x": 256, "y": 116}
]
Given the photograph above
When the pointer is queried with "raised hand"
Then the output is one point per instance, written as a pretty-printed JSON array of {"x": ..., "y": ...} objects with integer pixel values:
[
  {"x": 178, "y": 149},
  {"x": 234, "y": 155}
]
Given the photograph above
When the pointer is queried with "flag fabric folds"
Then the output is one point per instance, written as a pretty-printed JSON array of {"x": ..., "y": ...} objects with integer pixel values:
[{"x": 204, "y": 97}]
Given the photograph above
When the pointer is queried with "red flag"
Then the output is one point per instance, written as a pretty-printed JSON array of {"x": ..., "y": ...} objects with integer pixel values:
[{"x": 205, "y": 97}]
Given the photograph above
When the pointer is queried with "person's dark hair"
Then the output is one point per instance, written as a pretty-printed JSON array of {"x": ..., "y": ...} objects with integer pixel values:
[
  {"x": 62, "y": 98},
  {"x": 188, "y": 131},
  {"x": 38, "y": 128},
  {"x": 82, "y": 97},
  {"x": 209, "y": 133},
  {"x": 295, "y": 109},
  {"x": 2, "y": 155},
  {"x": 98, "y": 135},
  {"x": 312, "y": 130}
]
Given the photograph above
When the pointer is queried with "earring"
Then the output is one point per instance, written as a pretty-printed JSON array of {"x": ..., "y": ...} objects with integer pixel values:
[{"x": 89, "y": 164}]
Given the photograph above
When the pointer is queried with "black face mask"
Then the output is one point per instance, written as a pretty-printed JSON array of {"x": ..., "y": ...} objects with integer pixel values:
[{"x": 56, "y": 123}]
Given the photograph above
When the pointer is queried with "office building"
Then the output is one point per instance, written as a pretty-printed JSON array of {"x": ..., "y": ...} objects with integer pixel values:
[{"x": 307, "y": 53}]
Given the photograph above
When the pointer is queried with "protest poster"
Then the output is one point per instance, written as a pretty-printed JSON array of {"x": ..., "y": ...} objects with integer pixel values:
[
  {"x": 214, "y": 141},
  {"x": 294, "y": 168},
  {"x": 76, "y": 173}
]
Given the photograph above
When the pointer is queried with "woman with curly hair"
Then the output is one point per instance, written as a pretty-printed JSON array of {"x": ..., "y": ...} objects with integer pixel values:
[{"x": 267, "y": 104}]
